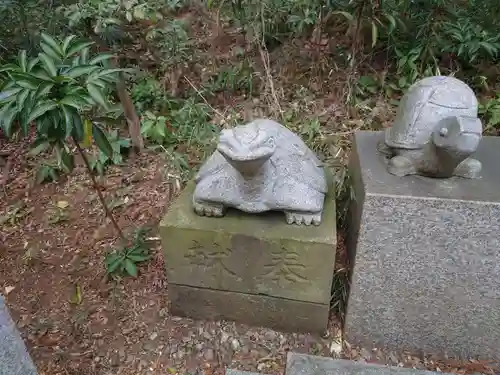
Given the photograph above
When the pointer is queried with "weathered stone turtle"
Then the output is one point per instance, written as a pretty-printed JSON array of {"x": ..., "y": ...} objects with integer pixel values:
[
  {"x": 262, "y": 166},
  {"x": 436, "y": 130}
]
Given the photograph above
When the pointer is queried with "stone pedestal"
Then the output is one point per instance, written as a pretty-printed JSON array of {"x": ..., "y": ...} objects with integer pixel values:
[
  {"x": 254, "y": 269},
  {"x": 426, "y": 257},
  {"x": 14, "y": 358}
]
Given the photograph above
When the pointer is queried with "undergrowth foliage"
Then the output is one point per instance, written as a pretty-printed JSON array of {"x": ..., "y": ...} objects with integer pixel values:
[{"x": 61, "y": 75}]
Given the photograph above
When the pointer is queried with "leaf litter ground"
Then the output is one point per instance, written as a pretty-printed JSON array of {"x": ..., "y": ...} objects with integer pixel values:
[{"x": 75, "y": 320}]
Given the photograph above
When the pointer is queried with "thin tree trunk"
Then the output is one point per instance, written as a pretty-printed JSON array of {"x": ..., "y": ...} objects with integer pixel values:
[
  {"x": 99, "y": 194},
  {"x": 134, "y": 123}
]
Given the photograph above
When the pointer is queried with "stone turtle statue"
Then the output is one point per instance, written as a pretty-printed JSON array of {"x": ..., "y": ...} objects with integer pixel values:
[
  {"x": 258, "y": 167},
  {"x": 435, "y": 131}
]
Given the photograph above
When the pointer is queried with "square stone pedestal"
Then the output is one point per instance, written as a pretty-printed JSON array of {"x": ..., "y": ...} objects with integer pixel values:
[
  {"x": 254, "y": 269},
  {"x": 426, "y": 257}
]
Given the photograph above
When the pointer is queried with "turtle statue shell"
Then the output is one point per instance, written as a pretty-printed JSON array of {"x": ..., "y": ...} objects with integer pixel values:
[
  {"x": 435, "y": 131},
  {"x": 258, "y": 167},
  {"x": 426, "y": 102}
]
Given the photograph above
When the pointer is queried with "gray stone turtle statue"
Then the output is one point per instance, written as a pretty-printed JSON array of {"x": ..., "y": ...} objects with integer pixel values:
[
  {"x": 258, "y": 167},
  {"x": 435, "y": 131}
]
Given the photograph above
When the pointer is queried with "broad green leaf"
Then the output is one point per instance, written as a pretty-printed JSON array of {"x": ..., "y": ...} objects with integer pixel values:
[
  {"x": 52, "y": 174},
  {"x": 67, "y": 43},
  {"x": 102, "y": 141},
  {"x": 99, "y": 83},
  {"x": 32, "y": 63},
  {"x": 7, "y": 118},
  {"x": 77, "y": 132},
  {"x": 96, "y": 94},
  {"x": 77, "y": 47},
  {"x": 21, "y": 99},
  {"x": 7, "y": 67},
  {"x": 84, "y": 56},
  {"x": 41, "y": 109},
  {"x": 43, "y": 90},
  {"x": 50, "y": 52},
  {"x": 52, "y": 43},
  {"x": 22, "y": 60},
  {"x": 8, "y": 94},
  {"x": 109, "y": 72},
  {"x": 68, "y": 119},
  {"x": 74, "y": 101},
  {"x": 39, "y": 146},
  {"x": 27, "y": 84},
  {"x": 130, "y": 267},
  {"x": 101, "y": 57},
  {"x": 113, "y": 263},
  {"x": 137, "y": 258},
  {"x": 48, "y": 64},
  {"x": 42, "y": 174},
  {"x": 81, "y": 70},
  {"x": 67, "y": 161}
]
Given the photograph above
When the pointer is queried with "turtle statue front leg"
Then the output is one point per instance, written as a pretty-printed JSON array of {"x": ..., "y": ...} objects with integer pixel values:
[
  {"x": 208, "y": 208},
  {"x": 401, "y": 166},
  {"x": 299, "y": 217},
  {"x": 469, "y": 168}
]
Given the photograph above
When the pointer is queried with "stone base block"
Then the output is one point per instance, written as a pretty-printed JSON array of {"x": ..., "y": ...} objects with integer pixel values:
[
  {"x": 425, "y": 255},
  {"x": 14, "y": 358},
  {"x": 278, "y": 313},
  {"x": 258, "y": 261},
  {"x": 304, "y": 364}
]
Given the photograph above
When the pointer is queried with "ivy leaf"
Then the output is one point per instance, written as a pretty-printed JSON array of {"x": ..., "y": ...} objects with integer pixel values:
[{"x": 102, "y": 141}]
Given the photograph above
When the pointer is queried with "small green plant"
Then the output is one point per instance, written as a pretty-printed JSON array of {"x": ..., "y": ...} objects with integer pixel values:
[
  {"x": 15, "y": 213},
  {"x": 47, "y": 172},
  {"x": 149, "y": 95},
  {"x": 119, "y": 146},
  {"x": 233, "y": 78},
  {"x": 124, "y": 261},
  {"x": 154, "y": 128},
  {"x": 490, "y": 110}
]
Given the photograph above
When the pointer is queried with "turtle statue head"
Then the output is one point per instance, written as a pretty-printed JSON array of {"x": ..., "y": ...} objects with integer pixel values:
[
  {"x": 457, "y": 136},
  {"x": 436, "y": 130},
  {"x": 246, "y": 148}
]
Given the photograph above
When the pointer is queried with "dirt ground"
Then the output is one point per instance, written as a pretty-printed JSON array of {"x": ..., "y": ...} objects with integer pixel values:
[{"x": 123, "y": 326}]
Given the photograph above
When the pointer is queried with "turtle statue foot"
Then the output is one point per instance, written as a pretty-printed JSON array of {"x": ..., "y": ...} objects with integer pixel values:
[
  {"x": 469, "y": 168},
  {"x": 208, "y": 209},
  {"x": 299, "y": 218},
  {"x": 401, "y": 166}
]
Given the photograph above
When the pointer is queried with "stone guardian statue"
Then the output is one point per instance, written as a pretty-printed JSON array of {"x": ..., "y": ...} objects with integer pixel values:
[
  {"x": 258, "y": 167},
  {"x": 436, "y": 130}
]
